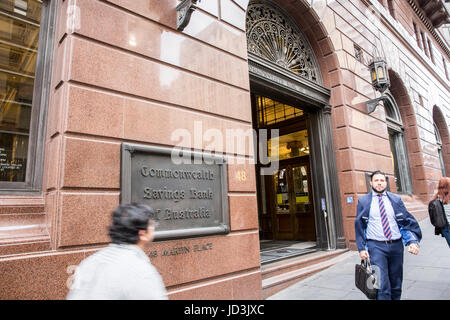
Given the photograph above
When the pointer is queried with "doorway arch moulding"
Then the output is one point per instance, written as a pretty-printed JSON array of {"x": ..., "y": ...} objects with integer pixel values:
[
  {"x": 271, "y": 72},
  {"x": 314, "y": 38},
  {"x": 414, "y": 148}
]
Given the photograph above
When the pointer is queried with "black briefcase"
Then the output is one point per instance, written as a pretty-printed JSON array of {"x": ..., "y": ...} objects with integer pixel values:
[{"x": 365, "y": 279}]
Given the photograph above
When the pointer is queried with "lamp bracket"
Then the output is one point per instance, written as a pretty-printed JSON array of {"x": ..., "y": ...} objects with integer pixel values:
[
  {"x": 372, "y": 104},
  {"x": 184, "y": 12}
]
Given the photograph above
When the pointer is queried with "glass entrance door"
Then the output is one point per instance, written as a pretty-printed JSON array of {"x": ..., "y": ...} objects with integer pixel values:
[
  {"x": 286, "y": 210},
  {"x": 293, "y": 212}
]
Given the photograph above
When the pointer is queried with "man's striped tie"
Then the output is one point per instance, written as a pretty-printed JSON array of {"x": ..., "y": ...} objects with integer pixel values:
[{"x": 384, "y": 219}]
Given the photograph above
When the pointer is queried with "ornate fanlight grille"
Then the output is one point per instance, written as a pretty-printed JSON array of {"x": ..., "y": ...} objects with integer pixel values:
[{"x": 273, "y": 36}]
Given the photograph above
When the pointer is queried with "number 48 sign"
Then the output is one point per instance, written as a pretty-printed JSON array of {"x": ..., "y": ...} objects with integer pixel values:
[{"x": 241, "y": 175}]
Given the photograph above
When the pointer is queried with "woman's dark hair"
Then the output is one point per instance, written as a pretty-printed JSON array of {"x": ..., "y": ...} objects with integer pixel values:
[
  {"x": 377, "y": 172},
  {"x": 127, "y": 220}
]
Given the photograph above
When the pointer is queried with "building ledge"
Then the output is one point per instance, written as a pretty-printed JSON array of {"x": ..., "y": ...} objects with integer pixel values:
[{"x": 23, "y": 225}]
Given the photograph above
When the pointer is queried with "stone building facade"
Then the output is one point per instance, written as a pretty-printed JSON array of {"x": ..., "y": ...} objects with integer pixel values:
[{"x": 120, "y": 71}]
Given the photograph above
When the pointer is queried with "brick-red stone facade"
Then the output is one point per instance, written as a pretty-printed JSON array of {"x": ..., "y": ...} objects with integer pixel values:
[{"x": 125, "y": 74}]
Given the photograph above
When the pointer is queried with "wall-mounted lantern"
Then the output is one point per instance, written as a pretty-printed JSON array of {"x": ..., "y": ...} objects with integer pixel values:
[
  {"x": 380, "y": 79},
  {"x": 184, "y": 12}
]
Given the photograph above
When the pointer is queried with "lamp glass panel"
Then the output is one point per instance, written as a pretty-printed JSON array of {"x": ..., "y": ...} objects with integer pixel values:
[
  {"x": 380, "y": 72},
  {"x": 374, "y": 75}
]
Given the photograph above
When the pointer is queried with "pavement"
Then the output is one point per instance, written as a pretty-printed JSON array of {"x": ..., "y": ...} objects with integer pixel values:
[{"x": 425, "y": 276}]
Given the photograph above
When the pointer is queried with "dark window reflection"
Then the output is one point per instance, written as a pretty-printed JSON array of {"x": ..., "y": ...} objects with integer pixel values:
[
  {"x": 394, "y": 158},
  {"x": 19, "y": 35}
]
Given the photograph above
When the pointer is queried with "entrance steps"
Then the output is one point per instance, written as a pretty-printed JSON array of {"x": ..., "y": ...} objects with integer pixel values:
[{"x": 279, "y": 275}]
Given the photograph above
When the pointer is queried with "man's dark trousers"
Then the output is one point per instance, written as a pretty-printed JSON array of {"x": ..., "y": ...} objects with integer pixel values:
[{"x": 388, "y": 257}]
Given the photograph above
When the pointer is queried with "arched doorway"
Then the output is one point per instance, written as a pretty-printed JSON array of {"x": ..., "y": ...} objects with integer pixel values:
[
  {"x": 298, "y": 191},
  {"x": 442, "y": 140}
]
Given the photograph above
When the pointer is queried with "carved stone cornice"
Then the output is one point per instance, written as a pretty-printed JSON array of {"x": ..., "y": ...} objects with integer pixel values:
[
  {"x": 429, "y": 24},
  {"x": 435, "y": 11}
]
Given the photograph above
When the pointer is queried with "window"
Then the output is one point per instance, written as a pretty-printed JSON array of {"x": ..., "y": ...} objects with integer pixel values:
[
  {"x": 421, "y": 100},
  {"x": 444, "y": 62},
  {"x": 430, "y": 48},
  {"x": 439, "y": 144},
  {"x": 358, "y": 53},
  {"x": 24, "y": 78},
  {"x": 390, "y": 4},
  {"x": 271, "y": 111},
  {"x": 424, "y": 42},
  {"x": 416, "y": 33},
  {"x": 399, "y": 155}
]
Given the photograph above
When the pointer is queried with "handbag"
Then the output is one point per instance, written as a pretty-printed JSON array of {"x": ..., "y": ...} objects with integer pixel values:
[{"x": 365, "y": 279}]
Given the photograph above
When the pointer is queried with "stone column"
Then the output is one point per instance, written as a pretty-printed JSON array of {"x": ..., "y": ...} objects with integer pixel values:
[{"x": 332, "y": 190}]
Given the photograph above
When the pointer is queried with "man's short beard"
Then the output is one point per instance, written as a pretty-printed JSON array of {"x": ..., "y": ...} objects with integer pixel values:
[{"x": 379, "y": 191}]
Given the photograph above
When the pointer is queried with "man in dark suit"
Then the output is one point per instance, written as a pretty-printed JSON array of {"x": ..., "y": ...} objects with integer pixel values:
[{"x": 382, "y": 227}]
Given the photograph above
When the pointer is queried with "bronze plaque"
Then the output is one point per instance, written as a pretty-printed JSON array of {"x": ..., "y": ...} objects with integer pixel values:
[{"x": 188, "y": 193}]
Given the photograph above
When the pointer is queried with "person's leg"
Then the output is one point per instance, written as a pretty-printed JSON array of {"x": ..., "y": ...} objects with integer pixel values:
[
  {"x": 446, "y": 234},
  {"x": 379, "y": 261},
  {"x": 396, "y": 269}
]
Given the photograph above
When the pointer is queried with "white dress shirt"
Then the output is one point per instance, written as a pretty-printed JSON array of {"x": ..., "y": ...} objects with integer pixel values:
[
  {"x": 117, "y": 272},
  {"x": 374, "y": 227}
]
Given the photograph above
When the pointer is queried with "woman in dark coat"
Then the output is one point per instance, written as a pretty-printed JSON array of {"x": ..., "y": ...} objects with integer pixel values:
[{"x": 443, "y": 200}]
